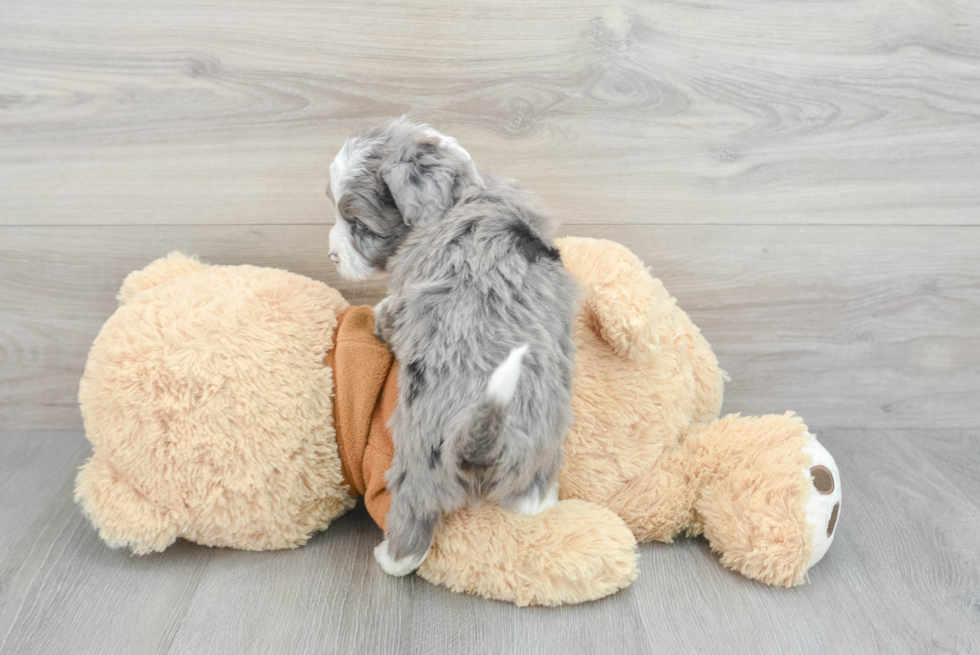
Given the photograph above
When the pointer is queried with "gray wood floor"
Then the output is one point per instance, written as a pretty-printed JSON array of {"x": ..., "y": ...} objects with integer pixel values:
[
  {"x": 902, "y": 577},
  {"x": 803, "y": 175}
]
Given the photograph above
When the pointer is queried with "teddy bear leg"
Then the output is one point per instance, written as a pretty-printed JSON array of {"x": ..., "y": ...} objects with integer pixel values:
[
  {"x": 769, "y": 496},
  {"x": 123, "y": 516},
  {"x": 658, "y": 504},
  {"x": 762, "y": 490},
  {"x": 572, "y": 552},
  {"x": 823, "y": 502}
]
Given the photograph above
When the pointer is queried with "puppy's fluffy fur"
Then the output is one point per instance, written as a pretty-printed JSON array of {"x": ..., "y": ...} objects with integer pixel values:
[{"x": 480, "y": 315}]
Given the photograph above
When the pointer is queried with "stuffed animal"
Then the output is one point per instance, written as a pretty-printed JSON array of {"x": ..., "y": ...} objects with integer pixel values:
[{"x": 247, "y": 407}]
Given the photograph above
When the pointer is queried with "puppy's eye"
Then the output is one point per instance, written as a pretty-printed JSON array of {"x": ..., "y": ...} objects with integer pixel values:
[{"x": 359, "y": 227}]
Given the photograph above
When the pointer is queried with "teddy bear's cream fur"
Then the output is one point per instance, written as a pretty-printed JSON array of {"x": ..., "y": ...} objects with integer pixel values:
[{"x": 211, "y": 414}]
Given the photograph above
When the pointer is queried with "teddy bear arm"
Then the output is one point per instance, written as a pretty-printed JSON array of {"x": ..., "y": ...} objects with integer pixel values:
[{"x": 620, "y": 294}]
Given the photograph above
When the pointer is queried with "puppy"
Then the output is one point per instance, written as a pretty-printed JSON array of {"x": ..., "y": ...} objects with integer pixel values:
[{"x": 480, "y": 316}]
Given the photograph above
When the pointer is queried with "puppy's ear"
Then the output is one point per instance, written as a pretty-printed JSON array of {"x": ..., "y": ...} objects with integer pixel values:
[{"x": 427, "y": 175}]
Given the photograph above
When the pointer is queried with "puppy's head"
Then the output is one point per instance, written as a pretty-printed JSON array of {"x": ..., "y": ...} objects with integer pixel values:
[{"x": 386, "y": 183}]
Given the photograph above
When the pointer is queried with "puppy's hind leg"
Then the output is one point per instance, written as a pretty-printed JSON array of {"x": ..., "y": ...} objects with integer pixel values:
[{"x": 410, "y": 530}]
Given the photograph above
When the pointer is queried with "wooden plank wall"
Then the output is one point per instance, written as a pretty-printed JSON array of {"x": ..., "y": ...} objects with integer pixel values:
[{"x": 804, "y": 176}]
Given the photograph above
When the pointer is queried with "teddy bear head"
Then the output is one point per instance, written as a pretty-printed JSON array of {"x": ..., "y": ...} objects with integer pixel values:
[{"x": 207, "y": 389}]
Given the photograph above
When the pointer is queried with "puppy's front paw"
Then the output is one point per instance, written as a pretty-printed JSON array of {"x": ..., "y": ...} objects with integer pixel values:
[
  {"x": 396, "y": 567},
  {"x": 382, "y": 320}
]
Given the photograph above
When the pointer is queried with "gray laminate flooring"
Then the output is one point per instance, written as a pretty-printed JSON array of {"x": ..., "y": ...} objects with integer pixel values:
[
  {"x": 804, "y": 175},
  {"x": 903, "y": 576}
]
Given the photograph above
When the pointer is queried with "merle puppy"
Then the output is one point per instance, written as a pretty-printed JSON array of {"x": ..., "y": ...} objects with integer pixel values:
[{"x": 480, "y": 316}]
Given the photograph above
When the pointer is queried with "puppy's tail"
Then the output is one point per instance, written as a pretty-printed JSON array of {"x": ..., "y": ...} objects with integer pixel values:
[
  {"x": 503, "y": 382},
  {"x": 479, "y": 445}
]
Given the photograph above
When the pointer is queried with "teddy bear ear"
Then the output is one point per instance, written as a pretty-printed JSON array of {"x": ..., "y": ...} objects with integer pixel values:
[
  {"x": 124, "y": 516},
  {"x": 627, "y": 303},
  {"x": 162, "y": 270}
]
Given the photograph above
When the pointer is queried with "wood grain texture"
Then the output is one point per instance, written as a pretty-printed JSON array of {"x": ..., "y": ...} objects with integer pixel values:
[
  {"x": 852, "y": 326},
  {"x": 901, "y": 577},
  {"x": 719, "y": 111},
  {"x": 801, "y": 174}
]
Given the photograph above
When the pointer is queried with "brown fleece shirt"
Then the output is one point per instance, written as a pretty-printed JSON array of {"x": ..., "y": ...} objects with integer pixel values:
[{"x": 365, "y": 378}]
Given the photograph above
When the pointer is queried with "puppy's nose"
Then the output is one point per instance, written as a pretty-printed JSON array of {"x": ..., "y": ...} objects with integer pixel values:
[{"x": 334, "y": 257}]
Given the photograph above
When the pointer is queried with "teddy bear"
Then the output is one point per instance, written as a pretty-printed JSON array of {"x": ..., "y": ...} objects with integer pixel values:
[{"x": 248, "y": 407}]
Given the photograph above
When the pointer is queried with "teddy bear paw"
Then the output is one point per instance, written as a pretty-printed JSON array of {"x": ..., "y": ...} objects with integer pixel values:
[
  {"x": 396, "y": 567},
  {"x": 823, "y": 504}
]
